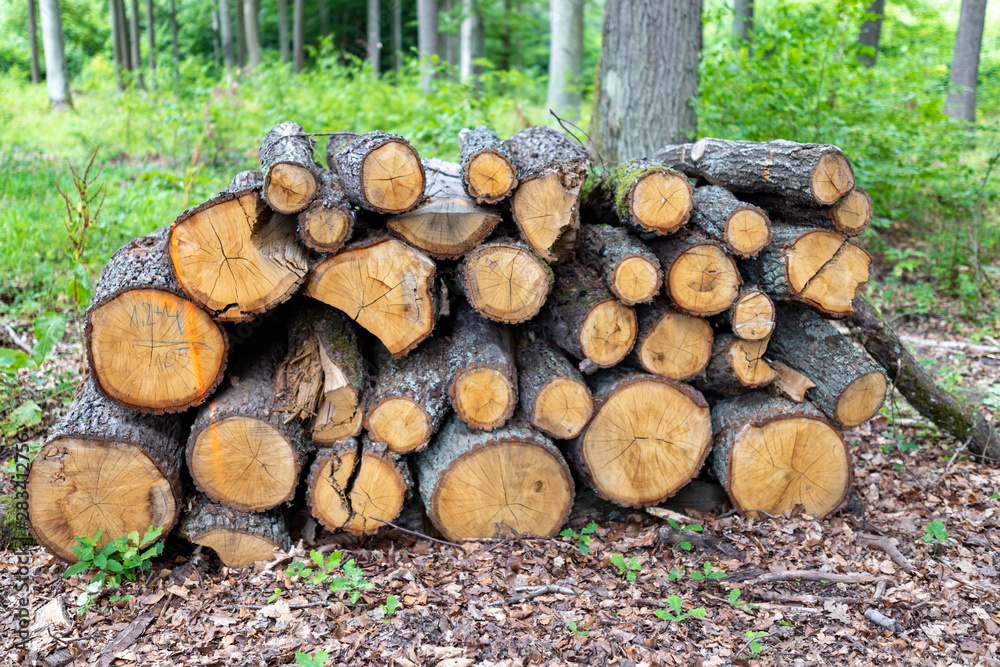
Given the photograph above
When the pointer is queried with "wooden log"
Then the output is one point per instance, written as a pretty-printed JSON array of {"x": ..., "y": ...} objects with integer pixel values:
[
  {"x": 104, "y": 467},
  {"x": 701, "y": 278},
  {"x": 671, "y": 344},
  {"x": 504, "y": 483},
  {"x": 449, "y": 224},
  {"x": 648, "y": 438},
  {"x": 410, "y": 399},
  {"x": 630, "y": 269},
  {"x": 771, "y": 454},
  {"x": 790, "y": 383},
  {"x": 291, "y": 176},
  {"x": 818, "y": 267},
  {"x": 554, "y": 398},
  {"x": 850, "y": 389},
  {"x": 234, "y": 256},
  {"x": 850, "y": 215},
  {"x": 488, "y": 171},
  {"x": 325, "y": 225},
  {"x": 352, "y": 481},
  {"x": 239, "y": 538},
  {"x": 335, "y": 142},
  {"x": 737, "y": 366},
  {"x": 243, "y": 451},
  {"x": 586, "y": 320},
  {"x": 745, "y": 229},
  {"x": 806, "y": 173},
  {"x": 647, "y": 196},
  {"x": 483, "y": 386},
  {"x": 551, "y": 170},
  {"x": 751, "y": 317},
  {"x": 384, "y": 285},
  {"x": 504, "y": 281},
  {"x": 149, "y": 347},
  {"x": 381, "y": 173}
]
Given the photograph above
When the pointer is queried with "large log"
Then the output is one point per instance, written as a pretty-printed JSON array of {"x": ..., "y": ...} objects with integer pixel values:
[
  {"x": 384, "y": 285},
  {"x": 551, "y": 170},
  {"x": 850, "y": 215},
  {"x": 771, "y": 455},
  {"x": 553, "y": 395},
  {"x": 631, "y": 270},
  {"x": 234, "y": 256},
  {"x": 483, "y": 372},
  {"x": 239, "y": 538},
  {"x": 326, "y": 224},
  {"x": 291, "y": 175},
  {"x": 737, "y": 366},
  {"x": 745, "y": 229},
  {"x": 648, "y": 438},
  {"x": 649, "y": 197},
  {"x": 104, "y": 467},
  {"x": 504, "y": 483},
  {"x": 149, "y": 347},
  {"x": 381, "y": 173},
  {"x": 701, "y": 278},
  {"x": 751, "y": 317},
  {"x": 488, "y": 171},
  {"x": 505, "y": 281},
  {"x": 671, "y": 344}
]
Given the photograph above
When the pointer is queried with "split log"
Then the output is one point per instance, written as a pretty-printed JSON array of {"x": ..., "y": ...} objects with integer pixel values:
[
  {"x": 505, "y": 281},
  {"x": 554, "y": 397},
  {"x": 771, "y": 455},
  {"x": 805, "y": 173},
  {"x": 751, "y": 317},
  {"x": 745, "y": 229},
  {"x": 484, "y": 376},
  {"x": 649, "y": 197},
  {"x": 737, "y": 366},
  {"x": 104, "y": 467},
  {"x": 410, "y": 399},
  {"x": 790, "y": 383},
  {"x": 586, "y": 320},
  {"x": 381, "y": 173},
  {"x": 671, "y": 344},
  {"x": 818, "y": 267},
  {"x": 630, "y": 269},
  {"x": 849, "y": 389},
  {"x": 504, "y": 483},
  {"x": 449, "y": 224},
  {"x": 291, "y": 175},
  {"x": 488, "y": 171},
  {"x": 239, "y": 538},
  {"x": 234, "y": 256},
  {"x": 149, "y": 347},
  {"x": 648, "y": 438},
  {"x": 384, "y": 285},
  {"x": 551, "y": 170},
  {"x": 850, "y": 215},
  {"x": 326, "y": 224},
  {"x": 243, "y": 452},
  {"x": 352, "y": 482},
  {"x": 701, "y": 278}
]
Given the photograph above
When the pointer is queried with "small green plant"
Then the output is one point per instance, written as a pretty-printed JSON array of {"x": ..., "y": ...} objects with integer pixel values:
[
  {"x": 352, "y": 581},
  {"x": 317, "y": 659},
  {"x": 116, "y": 560},
  {"x": 676, "y": 574},
  {"x": 580, "y": 633},
  {"x": 627, "y": 569},
  {"x": 390, "y": 606},
  {"x": 582, "y": 539},
  {"x": 682, "y": 528},
  {"x": 676, "y": 603},
  {"x": 708, "y": 572},
  {"x": 753, "y": 647},
  {"x": 734, "y": 601},
  {"x": 274, "y": 596},
  {"x": 934, "y": 532},
  {"x": 995, "y": 496}
]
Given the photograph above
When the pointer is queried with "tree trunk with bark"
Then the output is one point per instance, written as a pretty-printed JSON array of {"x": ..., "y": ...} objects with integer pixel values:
[
  {"x": 427, "y": 41},
  {"x": 124, "y": 48},
  {"x": 871, "y": 31},
  {"x": 670, "y": 343},
  {"x": 283, "y": 39},
  {"x": 116, "y": 54},
  {"x": 649, "y": 197},
  {"x": 743, "y": 228},
  {"x": 251, "y": 18},
  {"x": 291, "y": 176},
  {"x": 135, "y": 42},
  {"x": 504, "y": 281},
  {"x": 630, "y": 269},
  {"x": 374, "y": 41},
  {"x": 483, "y": 387},
  {"x": 737, "y": 366},
  {"x": 565, "y": 57},
  {"x": 849, "y": 215},
  {"x": 553, "y": 395},
  {"x": 396, "y": 7},
  {"x": 226, "y": 32},
  {"x": 174, "y": 46},
  {"x": 381, "y": 173},
  {"x": 56, "y": 72},
  {"x": 961, "y": 100},
  {"x": 742, "y": 20},
  {"x": 151, "y": 35},
  {"x": 36, "y": 73},
  {"x": 239, "y": 538},
  {"x": 326, "y": 224},
  {"x": 471, "y": 38},
  {"x": 241, "y": 34},
  {"x": 298, "y": 35}
]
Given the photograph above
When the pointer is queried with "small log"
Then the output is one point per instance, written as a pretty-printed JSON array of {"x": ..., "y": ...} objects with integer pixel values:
[
  {"x": 818, "y": 267},
  {"x": 648, "y": 438},
  {"x": 488, "y": 171},
  {"x": 554, "y": 397},
  {"x": 850, "y": 215},
  {"x": 335, "y": 142},
  {"x": 551, "y": 170},
  {"x": 384, "y": 285},
  {"x": 410, "y": 399},
  {"x": 671, "y": 344},
  {"x": 234, "y": 256},
  {"x": 484, "y": 376},
  {"x": 647, "y": 196},
  {"x": 104, "y": 467},
  {"x": 630, "y": 269},
  {"x": 505, "y": 483},
  {"x": 586, "y": 320},
  {"x": 239, "y": 538},
  {"x": 504, "y": 281},
  {"x": 751, "y": 317},
  {"x": 291, "y": 176},
  {"x": 745, "y": 229},
  {"x": 850, "y": 389},
  {"x": 326, "y": 224},
  {"x": 149, "y": 347},
  {"x": 790, "y": 383},
  {"x": 771, "y": 455},
  {"x": 449, "y": 224},
  {"x": 737, "y": 366},
  {"x": 381, "y": 173},
  {"x": 701, "y": 278}
]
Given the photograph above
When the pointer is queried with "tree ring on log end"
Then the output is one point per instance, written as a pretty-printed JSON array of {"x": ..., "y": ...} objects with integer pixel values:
[
  {"x": 392, "y": 177},
  {"x": 861, "y": 399},
  {"x": 506, "y": 283},
  {"x": 401, "y": 423},
  {"x": 703, "y": 280},
  {"x": 636, "y": 280},
  {"x": 662, "y": 201},
  {"x": 832, "y": 178},
  {"x": 290, "y": 187},
  {"x": 825, "y": 269},
  {"x": 562, "y": 408},
  {"x": 747, "y": 232},
  {"x": 753, "y": 316},
  {"x": 608, "y": 333},
  {"x": 746, "y": 358},
  {"x": 545, "y": 211},
  {"x": 239, "y": 549},
  {"x": 376, "y": 490},
  {"x": 325, "y": 228},
  {"x": 677, "y": 347},
  {"x": 490, "y": 177},
  {"x": 853, "y": 212},
  {"x": 484, "y": 397}
]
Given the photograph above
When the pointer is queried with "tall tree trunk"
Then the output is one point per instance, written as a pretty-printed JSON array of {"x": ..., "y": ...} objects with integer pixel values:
[
  {"x": 241, "y": 35},
  {"x": 36, "y": 73},
  {"x": 397, "y": 34},
  {"x": 374, "y": 41},
  {"x": 226, "y": 33},
  {"x": 743, "y": 19},
  {"x": 252, "y": 20},
  {"x": 507, "y": 37},
  {"x": 871, "y": 30},
  {"x": 173, "y": 32},
  {"x": 565, "y": 57},
  {"x": 56, "y": 74},
  {"x": 135, "y": 42},
  {"x": 298, "y": 34},
  {"x": 151, "y": 34},
  {"x": 961, "y": 102},
  {"x": 648, "y": 76},
  {"x": 216, "y": 42},
  {"x": 324, "y": 26},
  {"x": 471, "y": 38},
  {"x": 124, "y": 48},
  {"x": 427, "y": 40},
  {"x": 115, "y": 44},
  {"x": 283, "y": 30}
]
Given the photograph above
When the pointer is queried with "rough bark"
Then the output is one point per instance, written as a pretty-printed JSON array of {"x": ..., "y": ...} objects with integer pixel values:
[
  {"x": 849, "y": 215},
  {"x": 326, "y": 224},
  {"x": 565, "y": 57},
  {"x": 427, "y": 41},
  {"x": 381, "y": 173},
  {"x": 961, "y": 101},
  {"x": 483, "y": 372},
  {"x": 488, "y": 171},
  {"x": 745, "y": 229},
  {"x": 737, "y": 366},
  {"x": 553, "y": 395},
  {"x": 56, "y": 73},
  {"x": 298, "y": 35},
  {"x": 174, "y": 45},
  {"x": 283, "y": 39},
  {"x": 291, "y": 176},
  {"x": 871, "y": 31},
  {"x": 334, "y": 143},
  {"x": 241, "y": 35},
  {"x": 649, "y": 197},
  {"x": 239, "y": 538},
  {"x": 374, "y": 40},
  {"x": 630, "y": 269},
  {"x": 36, "y": 74},
  {"x": 504, "y": 281},
  {"x": 700, "y": 277},
  {"x": 670, "y": 343},
  {"x": 123, "y": 46},
  {"x": 252, "y": 21}
]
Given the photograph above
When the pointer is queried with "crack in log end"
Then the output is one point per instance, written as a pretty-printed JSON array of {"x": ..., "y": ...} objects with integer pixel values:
[
  {"x": 608, "y": 333},
  {"x": 544, "y": 211},
  {"x": 392, "y": 178},
  {"x": 703, "y": 280},
  {"x": 676, "y": 345},
  {"x": 661, "y": 201}
]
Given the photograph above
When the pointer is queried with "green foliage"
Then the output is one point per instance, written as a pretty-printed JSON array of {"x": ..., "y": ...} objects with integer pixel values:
[
  {"x": 676, "y": 574},
  {"x": 708, "y": 572},
  {"x": 734, "y": 601},
  {"x": 692, "y": 527},
  {"x": 352, "y": 582},
  {"x": 317, "y": 659},
  {"x": 572, "y": 626},
  {"x": 753, "y": 647},
  {"x": 582, "y": 539},
  {"x": 676, "y": 604},
  {"x": 124, "y": 558},
  {"x": 274, "y": 596},
  {"x": 935, "y": 533},
  {"x": 627, "y": 569},
  {"x": 390, "y": 606}
]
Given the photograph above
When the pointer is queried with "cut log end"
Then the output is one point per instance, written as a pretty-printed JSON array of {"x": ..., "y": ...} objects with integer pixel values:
[
  {"x": 678, "y": 346},
  {"x": 746, "y": 357},
  {"x": 392, "y": 177},
  {"x": 290, "y": 187},
  {"x": 562, "y": 408},
  {"x": 661, "y": 201},
  {"x": 447, "y": 228},
  {"x": 236, "y": 549},
  {"x": 506, "y": 282},
  {"x": 832, "y": 178},
  {"x": 545, "y": 212},
  {"x": 824, "y": 269},
  {"x": 325, "y": 229},
  {"x": 490, "y": 177},
  {"x": 636, "y": 280},
  {"x": 239, "y": 538},
  {"x": 401, "y": 423},
  {"x": 862, "y": 399},
  {"x": 608, "y": 333},
  {"x": 791, "y": 383},
  {"x": 703, "y": 280},
  {"x": 483, "y": 398},
  {"x": 747, "y": 231},
  {"x": 338, "y": 415},
  {"x": 853, "y": 212},
  {"x": 753, "y": 315}
]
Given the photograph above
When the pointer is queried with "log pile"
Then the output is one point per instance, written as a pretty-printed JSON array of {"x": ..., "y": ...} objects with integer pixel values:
[{"x": 478, "y": 337}]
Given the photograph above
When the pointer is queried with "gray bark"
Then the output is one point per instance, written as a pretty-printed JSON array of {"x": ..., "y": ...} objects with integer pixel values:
[
  {"x": 648, "y": 77},
  {"x": 871, "y": 31},
  {"x": 427, "y": 40},
  {"x": 205, "y": 516},
  {"x": 226, "y": 32},
  {"x": 298, "y": 35},
  {"x": 605, "y": 247},
  {"x": 448, "y": 43},
  {"x": 173, "y": 32},
  {"x": 252, "y": 21},
  {"x": 135, "y": 43},
  {"x": 374, "y": 39},
  {"x": 115, "y": 43},
  {"x": 396, "y": 6},
  {"x": 540, "y": 362},
  {"x": 283, "y": 30},
  {"x": 742, "y": 19},
  {"x": 56, "y": 73},
  {"x": 36, "y": 74},
  {"x": 565, "y": 57},
  {"x": 241, "y": 35},
  {"x": 123, "y": 46},
  {"x": 151, "y": 33},
  {"x": 471, "y": 37},
  {"x": 961, "y": 101}
]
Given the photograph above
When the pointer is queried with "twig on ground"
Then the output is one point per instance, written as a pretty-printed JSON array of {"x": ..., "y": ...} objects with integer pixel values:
[
  {"x": 304, "y": 605},
  {"x": 803, "y": 599},
  {"x": 954, "y": 457},
  {"x": 726, "y": 515},
  {"x": 948, "y": 344},
  {"x": 415, "y": 533},
  {"x": 529, "y": 592},
  {"x": 17, "y": 340},
  {"x": 813, "y": 575},
  {"x": 879, "y": 590},
  {"x": 661, "y": 513},
  {"x": 883, "y": 621},
  {"x": 889, "y": 548}
]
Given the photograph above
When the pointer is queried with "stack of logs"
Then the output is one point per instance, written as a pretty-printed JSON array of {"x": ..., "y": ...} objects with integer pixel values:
[{"x": 342, "y": 337}]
